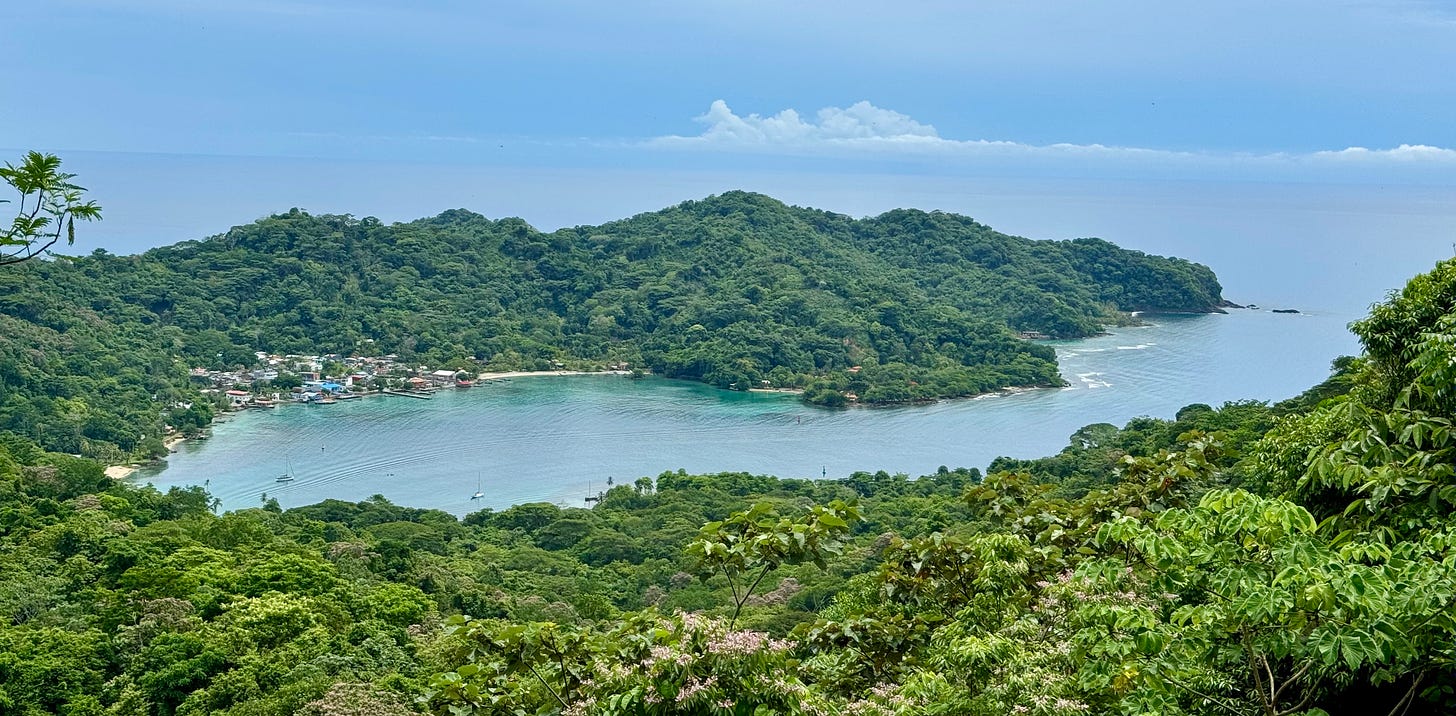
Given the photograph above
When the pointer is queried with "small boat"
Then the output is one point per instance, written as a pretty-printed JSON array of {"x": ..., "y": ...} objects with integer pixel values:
[
  {"x": 478, "y": 494},
  {"x": 287, "y": 475}
]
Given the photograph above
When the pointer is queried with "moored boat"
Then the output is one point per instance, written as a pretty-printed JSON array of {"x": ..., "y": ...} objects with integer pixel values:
[{"x": 287, "y": 475}]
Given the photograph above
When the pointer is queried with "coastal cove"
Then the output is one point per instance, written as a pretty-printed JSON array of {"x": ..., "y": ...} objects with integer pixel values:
[{"x": 559, "y": 438}]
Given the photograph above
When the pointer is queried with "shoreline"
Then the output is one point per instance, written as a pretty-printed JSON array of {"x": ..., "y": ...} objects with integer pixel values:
[
  {"x": 121, "y": 472},
  {"x": 500, "y": 375}
]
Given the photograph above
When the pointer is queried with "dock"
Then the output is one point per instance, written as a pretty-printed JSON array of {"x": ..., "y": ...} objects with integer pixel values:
[{"x": 406, "y": 394}]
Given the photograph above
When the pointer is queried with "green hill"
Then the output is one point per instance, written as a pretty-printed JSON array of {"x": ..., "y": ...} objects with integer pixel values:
[
  {"x": 738, "y": 290},
  {"x": 1174, "y": 567}
]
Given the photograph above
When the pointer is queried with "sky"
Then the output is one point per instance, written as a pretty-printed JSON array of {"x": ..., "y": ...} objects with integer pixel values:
[
  {"x": 1049, "y": 119},
  {"x": 460, "y": 79}
]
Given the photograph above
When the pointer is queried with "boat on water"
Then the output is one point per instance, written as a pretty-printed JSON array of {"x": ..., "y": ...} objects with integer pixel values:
[
  {"x": 478, "y": 494},
  {"x": 287, "y": 475}
]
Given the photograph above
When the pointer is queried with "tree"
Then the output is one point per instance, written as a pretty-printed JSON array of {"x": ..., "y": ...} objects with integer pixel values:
[
  {"x": 49, "y": 206},
  {"x": 1252, "y": 608},
  {"x": 748, "y": 545}
]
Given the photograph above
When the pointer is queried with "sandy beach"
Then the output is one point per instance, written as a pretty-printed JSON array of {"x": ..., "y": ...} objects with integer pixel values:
[{"x": 121, "y": 472}]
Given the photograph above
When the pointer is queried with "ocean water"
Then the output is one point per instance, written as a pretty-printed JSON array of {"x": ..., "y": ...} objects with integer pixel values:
[
  {"x": 561, "y": 438},
  {"x": 1327, "y": 248}
]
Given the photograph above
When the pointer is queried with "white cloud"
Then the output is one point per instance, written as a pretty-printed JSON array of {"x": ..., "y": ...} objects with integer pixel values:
[
  {"x": 864, "y": 130},
  {"x": 1402, "y": 153},
  {"x": 858, "y": 123}
]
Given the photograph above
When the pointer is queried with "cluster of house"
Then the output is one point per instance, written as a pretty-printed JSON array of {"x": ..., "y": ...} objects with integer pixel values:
[{"x": 248, "y": 388}]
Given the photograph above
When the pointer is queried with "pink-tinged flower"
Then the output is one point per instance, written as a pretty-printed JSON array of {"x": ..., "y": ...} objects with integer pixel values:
[
  {"x": 738, "y": 642},
  {"x": 658, "y": 653},
  {"x": 693, "y": 686},
  {"x": 579, "y": 708}
]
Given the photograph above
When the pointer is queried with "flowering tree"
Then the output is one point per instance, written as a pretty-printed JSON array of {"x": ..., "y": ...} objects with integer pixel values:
[{"x": 648, "y": 664}]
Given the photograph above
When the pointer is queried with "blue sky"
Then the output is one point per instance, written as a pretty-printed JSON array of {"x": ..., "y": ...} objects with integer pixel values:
[
  {"x": 1300, "y": 147},
  {"x": 566, "y": 82}
]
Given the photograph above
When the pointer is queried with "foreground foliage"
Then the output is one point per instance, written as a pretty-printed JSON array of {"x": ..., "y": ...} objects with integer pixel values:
[
  {"x": 1270, "y": 560},
  {"x": 46, "y": 209}
]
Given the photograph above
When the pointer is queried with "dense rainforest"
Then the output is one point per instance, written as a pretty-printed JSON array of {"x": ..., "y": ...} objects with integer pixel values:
[
  {"x": 737, "y": 290},
  {"x": 1274, "y": 560}
]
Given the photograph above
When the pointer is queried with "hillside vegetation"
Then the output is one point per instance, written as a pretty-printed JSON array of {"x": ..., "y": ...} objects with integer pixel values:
[
  {"x": 737, "y": 290},
  {"x": 1287, "y": 559}
]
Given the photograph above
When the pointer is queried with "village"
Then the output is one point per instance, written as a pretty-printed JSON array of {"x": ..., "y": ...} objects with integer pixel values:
[
  {"x": 322, "y": 380},
  {"x": 330, "y": 378}
]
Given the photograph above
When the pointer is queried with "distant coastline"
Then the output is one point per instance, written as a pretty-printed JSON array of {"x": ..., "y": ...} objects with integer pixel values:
[{"x": 501, "y": 375}]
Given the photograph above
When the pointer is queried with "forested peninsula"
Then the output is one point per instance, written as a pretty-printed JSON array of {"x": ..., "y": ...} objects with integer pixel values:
[
  {"x": 740, "y": 291},
  {"x": 1294, "y": 559}
]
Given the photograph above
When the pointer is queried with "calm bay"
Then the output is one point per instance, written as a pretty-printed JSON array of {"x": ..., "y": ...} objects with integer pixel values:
[{"x": 560, "y": 438}]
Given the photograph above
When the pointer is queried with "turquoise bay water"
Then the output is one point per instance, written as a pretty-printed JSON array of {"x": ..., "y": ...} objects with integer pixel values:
[{"x": 557, "y": 438}]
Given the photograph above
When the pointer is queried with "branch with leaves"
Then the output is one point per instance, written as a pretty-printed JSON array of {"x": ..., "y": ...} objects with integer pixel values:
[
  {"x": 748, "y": 545},
  {"x": 48, "y": 208}
]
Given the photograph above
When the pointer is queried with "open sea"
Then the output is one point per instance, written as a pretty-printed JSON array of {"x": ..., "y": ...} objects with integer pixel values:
[{"x": 561, "y": 438}]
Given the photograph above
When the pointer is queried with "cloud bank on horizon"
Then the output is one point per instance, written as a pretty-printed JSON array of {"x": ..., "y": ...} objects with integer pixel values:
[{"x": 865, "y": 130}]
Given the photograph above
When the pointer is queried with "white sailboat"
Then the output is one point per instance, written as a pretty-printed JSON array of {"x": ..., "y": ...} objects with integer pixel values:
[
  {"x": 287, "y": 475},
  {"x": 478, "y": 494}
]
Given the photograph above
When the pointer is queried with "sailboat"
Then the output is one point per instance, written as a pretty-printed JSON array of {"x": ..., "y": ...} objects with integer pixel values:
[
  {"x": 478, "y": 494},
  {"x": 287, "y": 475}
]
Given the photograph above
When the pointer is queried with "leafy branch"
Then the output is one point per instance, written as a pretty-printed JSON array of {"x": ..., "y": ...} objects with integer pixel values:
[
  {"x": 748, "y": 545},
  {"x": 49, "y": 207}
]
